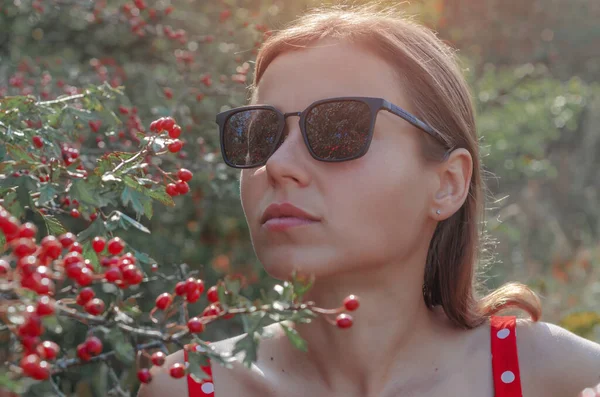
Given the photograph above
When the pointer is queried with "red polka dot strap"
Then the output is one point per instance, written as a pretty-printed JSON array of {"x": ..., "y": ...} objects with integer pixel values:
[
  {"x": 505, "y": 359},
  {"x": 203, "y": 388}
]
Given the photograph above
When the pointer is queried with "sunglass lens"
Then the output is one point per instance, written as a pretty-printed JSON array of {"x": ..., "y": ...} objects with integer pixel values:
[
  {"x": 338, "y": 130},
  {"x": 250, "y": 136}
]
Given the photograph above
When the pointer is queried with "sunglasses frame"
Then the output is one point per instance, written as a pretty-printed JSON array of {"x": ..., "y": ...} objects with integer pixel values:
[{"x": 375, "y": 105}]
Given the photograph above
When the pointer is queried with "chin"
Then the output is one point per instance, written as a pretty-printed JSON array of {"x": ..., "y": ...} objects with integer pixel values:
[{"x": 283, "y": 263}]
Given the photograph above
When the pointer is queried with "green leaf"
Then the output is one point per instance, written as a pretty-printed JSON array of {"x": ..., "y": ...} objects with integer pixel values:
[
  {"x": 53, "y": 225},
  {"x": 86, "y": 193},
  {"x": 89, "y": 253},
  {"x": 139, "y": 202},
  {"x": 197, "y": 361},
  {"x": 125, "y": 221},
  {"x": 47, "y": 193},
  {"x": 96, "y": 228},
  {"x": 301, "y": 285},
  {"x": 159, "y": 193},
  {"x": 121, "y": 345},
  {"x": 294, "y": 337},
  {"x": 249, "y": 346},
  {"x": 18, "y": 153},
  {"x": 142, "y": 256}
]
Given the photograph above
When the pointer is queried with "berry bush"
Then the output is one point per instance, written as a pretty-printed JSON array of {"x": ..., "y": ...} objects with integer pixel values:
[{"x": 110, "y": 180}]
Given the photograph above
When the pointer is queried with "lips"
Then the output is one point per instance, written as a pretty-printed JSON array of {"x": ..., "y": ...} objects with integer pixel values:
[{"x": 286, "y": 210}]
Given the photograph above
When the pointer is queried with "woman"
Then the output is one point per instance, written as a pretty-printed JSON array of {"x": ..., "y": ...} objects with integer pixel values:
[{"x": 376, "y": 189}]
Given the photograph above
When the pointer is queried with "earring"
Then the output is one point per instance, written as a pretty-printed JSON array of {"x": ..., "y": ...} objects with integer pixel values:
[{"x": 438, "y": 212}]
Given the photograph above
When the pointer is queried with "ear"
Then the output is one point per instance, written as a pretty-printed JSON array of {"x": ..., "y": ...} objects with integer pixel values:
[{"x": 452, "y": 184}]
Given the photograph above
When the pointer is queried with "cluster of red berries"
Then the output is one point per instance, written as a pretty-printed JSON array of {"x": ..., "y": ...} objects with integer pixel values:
[
  {"x": 37, "y": 266},
  {"x": 176, "y": 370},
  {"x": 344, "y": 320},
  {"x": 181, "y": 186}
]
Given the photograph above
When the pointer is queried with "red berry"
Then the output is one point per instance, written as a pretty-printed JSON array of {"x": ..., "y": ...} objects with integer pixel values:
[
  {"x": 175, "y": 146},
  {"x": 344, "y": 321},
  {"x": 32, "y": 326},
  {"x": 23, "y": 247},
  {"x": 193, "y": 296},
  {"x": 177, "y": 370},
  {"x": 98, "y": 244},
  {"x": 159, "y": 124},
  {"x": 45, "y": 306},
  {"x": 195, "y": 325},
  {"x": 180, "y": 288},
  {"x": 51, "y": 247},
  {"x": 130, "y": 273},
  {"x": 351, "y": 302},
  {"x": 168, "y": 123},
  {"x": 168, "y": 93},
  {"x": 85, "y": 295},
  {"x": 213, "y": 294},
  {"x": 82, "y": 352},
  {"x": 42, "y": 372},
  {"x": 153, "y": 125},
  {"x": 37, "y": 141},
  {"x": 212, "y": 310},
  {"x": 158, "y": 358},
  {"x": 5, "y": 268},
  {"x": 191, "y": 284},
  {"x": 154, "y": 267},
  {"x": 200, "y": 285},
  {"x": 84, "y": 277},
  {"x": 67, "y": 239},
  {"x": 93, "y": 345},
  {"x": 48, "y": 350},
  {"x": 93, "y": 216},
  {"x": 182, "y": 187},
  {"x": 30, "y": 343},
  {"x": 116, "y": 246},
  {"x": 163, "y": 301},
  {"x": 94, "y": 307},
  {"x": 95, "y": 125},
  {"x": 27, "y": 230},
  {"x": 129, "y": 256},
  {"x": 144, "y": 375},
  {"x": 172, "y": 190},
  {"x": 184, "y": 174},
  {"x": 113, "y": 274},
  {"x": 29, "y": 364},
  {"x": 75, "y": 213},
  {"x": 123, "y": 110},
  {"x": 76, "y": 247},
  {"x": 175, "y": 132}
]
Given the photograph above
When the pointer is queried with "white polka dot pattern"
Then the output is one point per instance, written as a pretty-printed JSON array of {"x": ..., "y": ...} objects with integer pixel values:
[
  {"x": 503, "y": 333},
  {"x": 507, "y": 377},
  {"x": 208, "y": 387}
]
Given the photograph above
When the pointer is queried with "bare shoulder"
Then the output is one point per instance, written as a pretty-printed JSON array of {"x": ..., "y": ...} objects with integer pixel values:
[
  {"x": 238, "y": 380},
  {"x": 555, "y": 362}
]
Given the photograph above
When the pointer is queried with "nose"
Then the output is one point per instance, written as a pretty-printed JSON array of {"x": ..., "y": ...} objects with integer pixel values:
[{"x": 288, "y": 162}]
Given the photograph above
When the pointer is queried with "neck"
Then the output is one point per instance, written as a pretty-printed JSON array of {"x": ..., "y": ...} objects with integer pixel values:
[{"x": 392, "y": 327}]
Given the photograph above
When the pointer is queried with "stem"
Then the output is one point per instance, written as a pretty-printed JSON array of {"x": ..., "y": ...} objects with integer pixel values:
[{"x": 65, "y": 99}]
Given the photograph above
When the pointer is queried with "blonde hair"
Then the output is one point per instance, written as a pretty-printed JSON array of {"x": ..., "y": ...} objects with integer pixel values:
[{"x": 440, "y": 96}]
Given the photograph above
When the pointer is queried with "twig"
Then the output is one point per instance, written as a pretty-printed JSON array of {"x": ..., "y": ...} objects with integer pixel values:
[{"x": 59, "y": 100}]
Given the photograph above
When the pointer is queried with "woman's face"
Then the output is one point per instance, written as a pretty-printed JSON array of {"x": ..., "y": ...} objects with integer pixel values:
[{"x": 372, "y": 210}]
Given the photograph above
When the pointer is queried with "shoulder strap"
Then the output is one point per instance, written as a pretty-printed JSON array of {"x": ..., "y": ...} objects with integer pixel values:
[
  {"x": 505, "y": 359},
  {"x": 203, "y": 388}
]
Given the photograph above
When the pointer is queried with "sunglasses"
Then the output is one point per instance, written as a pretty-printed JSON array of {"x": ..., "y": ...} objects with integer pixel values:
[{"x": 334, "y": 129}]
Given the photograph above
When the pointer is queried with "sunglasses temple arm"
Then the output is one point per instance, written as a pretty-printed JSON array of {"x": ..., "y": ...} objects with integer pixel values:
[{"x": 398, "y": 111}]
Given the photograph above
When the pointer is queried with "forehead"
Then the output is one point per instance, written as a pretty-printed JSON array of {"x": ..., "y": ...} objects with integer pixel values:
[{"x": 327, "y": 69}]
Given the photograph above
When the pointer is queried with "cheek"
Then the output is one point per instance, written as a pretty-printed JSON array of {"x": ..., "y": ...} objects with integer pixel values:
[{"x": 383, "y": 205}]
